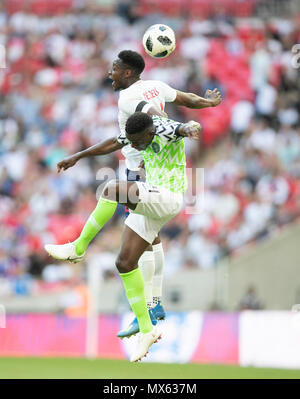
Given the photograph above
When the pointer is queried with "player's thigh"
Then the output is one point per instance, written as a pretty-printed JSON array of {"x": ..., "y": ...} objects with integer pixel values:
[
  {"x": 144, "y": 226},
  {"x": 124, "y": 192},
  {"x": 157, "y": 202},
  {"x": 132, "y": 247}
]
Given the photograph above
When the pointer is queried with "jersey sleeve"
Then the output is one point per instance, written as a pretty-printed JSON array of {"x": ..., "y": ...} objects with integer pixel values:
[
  {"x": 167, "y": 129},
  {"x": 130, "y": 106},
  {"x": 168, "y": 92}
]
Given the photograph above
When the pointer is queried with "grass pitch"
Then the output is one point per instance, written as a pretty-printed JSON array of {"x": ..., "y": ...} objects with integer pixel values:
[{"x": 70, "y": 368}]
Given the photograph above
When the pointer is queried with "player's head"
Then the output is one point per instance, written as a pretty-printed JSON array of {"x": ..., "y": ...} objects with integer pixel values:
[
  {"x": 140, "y": 130},
  {"x": 126, "y": 69}
]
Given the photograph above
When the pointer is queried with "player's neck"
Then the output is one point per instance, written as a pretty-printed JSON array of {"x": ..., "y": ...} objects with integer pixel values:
[{"x": 130, "y": 82}]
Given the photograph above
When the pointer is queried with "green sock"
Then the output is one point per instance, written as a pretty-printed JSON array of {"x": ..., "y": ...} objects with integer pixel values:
[
  {"x": 101, "y": 215},
  {"x": 134, "y": 288}
]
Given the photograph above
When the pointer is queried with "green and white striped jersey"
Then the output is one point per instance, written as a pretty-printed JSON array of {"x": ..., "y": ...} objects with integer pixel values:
[{"x": 165, "y": 162}]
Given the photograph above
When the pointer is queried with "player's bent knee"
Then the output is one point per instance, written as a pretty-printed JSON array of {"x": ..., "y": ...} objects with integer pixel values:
[{"x": 124, "y": 265}]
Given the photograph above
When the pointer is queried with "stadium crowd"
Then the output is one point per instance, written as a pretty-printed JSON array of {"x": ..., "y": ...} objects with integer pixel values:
[{"x": 56, "y": 99}]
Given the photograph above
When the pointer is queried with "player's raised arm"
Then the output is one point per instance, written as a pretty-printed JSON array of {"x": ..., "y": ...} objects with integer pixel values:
[
  {"x": 103, "y": 148},
  {"x": 191, "y": 129},
  {"x": 212, "y": 98}
]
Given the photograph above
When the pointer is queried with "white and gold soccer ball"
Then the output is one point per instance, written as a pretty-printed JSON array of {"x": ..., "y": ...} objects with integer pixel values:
[{"x": 159, "y": 41}]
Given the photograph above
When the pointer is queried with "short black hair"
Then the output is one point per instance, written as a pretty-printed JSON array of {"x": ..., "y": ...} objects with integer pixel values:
[
  {"x": 133, "y": 59},
  {"x": 138, "y": 122}
]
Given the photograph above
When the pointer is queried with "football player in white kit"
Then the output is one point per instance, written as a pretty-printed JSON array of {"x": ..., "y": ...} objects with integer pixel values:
[{"x": 147, "y": 96}]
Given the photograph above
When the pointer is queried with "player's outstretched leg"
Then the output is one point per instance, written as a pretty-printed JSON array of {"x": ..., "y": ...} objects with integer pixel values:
[
  {"x": 105, "y": 209},
  {"x": 74, "y": 251},
  {"x": 132, "y": 248}
]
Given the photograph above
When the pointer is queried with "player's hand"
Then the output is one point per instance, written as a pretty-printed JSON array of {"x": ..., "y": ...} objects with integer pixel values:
[
  {"x": 142, "y": 165},
  {"x": 214, "y": 97},
  {"x": 192, "y": 130},
  {"x": 67, "y": 163}
]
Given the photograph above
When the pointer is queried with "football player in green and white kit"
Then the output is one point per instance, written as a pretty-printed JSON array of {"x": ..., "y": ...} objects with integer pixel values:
[{"x": 152, "y": 204}]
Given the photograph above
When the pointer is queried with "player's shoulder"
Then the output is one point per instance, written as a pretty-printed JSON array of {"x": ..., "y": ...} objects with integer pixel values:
[
  {"x": 132, "y": 91},
  {"x": 167, "y": 129},
  {"x": 160, "y": 121},
  {"x": 125, "y": 97}
]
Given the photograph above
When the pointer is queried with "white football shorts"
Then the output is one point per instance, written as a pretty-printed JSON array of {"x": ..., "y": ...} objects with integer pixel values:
[{"x": 156, "y": 207}]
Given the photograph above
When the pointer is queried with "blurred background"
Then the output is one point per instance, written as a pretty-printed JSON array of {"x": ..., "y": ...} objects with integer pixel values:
[{"x": 241, "y": 252}]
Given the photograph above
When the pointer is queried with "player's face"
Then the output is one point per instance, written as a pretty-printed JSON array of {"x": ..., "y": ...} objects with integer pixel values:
[
  {"x": 142, "y": 140},
  {"x": 118, "y": 75}
]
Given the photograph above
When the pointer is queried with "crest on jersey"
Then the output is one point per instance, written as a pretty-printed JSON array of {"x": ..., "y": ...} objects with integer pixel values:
[{"x": 155, "y": 147}]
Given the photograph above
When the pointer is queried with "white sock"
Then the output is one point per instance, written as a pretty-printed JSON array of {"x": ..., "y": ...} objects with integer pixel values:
[
  {"x": 147, "y": 267},
  {"x": 159, "y": 259}
]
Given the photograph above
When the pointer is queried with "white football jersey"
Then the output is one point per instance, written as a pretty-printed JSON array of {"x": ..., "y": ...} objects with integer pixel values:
[{"x": 140, "y": 96}]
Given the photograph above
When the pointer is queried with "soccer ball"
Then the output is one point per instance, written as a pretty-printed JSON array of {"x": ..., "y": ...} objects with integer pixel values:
[{"x": 159, "y": 41}]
